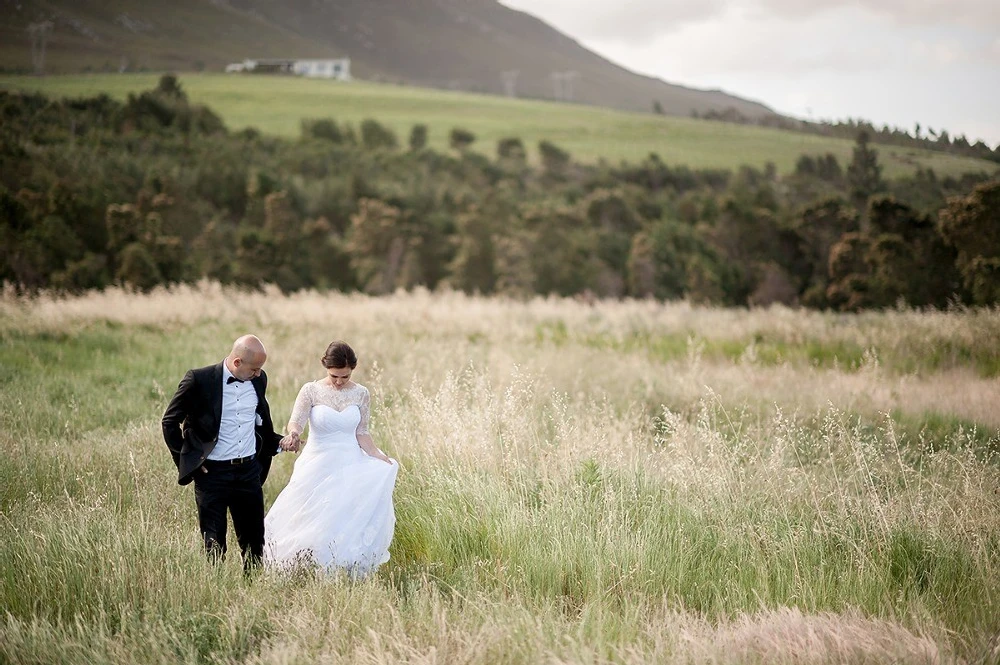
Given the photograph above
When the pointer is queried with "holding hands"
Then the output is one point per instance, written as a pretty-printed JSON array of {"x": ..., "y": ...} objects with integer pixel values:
[{"x": 290, "y": 442}]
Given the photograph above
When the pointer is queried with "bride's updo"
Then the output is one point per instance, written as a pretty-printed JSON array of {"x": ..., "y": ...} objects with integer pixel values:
[{"x": 339, "y": 354}]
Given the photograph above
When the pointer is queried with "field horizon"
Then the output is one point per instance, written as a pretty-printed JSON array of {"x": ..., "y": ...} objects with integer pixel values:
[
  {"x": 609, "y": 482},
  {"x": 277, "y": 106}
]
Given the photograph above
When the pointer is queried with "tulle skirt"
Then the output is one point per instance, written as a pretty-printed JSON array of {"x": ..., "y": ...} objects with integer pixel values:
[{"x": 336, "y": 512}]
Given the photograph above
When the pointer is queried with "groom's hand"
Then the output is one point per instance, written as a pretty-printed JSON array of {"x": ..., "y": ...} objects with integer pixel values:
[{"x": 290, "y": 442}]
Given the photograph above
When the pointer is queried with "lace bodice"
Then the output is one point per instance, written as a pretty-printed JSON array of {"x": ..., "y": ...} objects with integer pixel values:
[{"x": 319, "y": 392}]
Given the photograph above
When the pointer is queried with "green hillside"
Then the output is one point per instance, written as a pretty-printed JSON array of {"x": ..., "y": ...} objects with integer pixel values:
[
  {"x": 276, "y": 105},
  {"x": 450, "y": 45}
]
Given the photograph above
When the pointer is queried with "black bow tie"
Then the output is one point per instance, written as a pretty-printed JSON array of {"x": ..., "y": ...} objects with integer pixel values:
[{"x": 233, "y": 379}]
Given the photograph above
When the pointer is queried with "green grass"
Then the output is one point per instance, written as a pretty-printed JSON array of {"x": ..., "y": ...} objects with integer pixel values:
[
  {"x": 900, "y": 355},
  {"x": 540, "y": 514},
  {"x": 276, "y": 105}
]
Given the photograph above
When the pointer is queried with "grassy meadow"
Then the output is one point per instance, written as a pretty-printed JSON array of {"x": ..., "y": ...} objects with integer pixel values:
[
  {"x": 619, "y": 482},
  {"x": 276, "y": 105}
]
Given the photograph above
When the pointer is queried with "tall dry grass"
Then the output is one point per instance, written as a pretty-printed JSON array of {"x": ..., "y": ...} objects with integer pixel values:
[{"x": 619, "y": 482}]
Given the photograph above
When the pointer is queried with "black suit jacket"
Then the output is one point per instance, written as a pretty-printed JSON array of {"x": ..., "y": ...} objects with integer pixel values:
[{"x": 191, "y": 422}]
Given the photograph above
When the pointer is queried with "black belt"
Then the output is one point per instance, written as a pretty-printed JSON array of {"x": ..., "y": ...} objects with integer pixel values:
[{"x": 230, "y": 462}]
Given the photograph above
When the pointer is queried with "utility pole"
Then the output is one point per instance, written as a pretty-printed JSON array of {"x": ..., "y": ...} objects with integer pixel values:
[
  {"x": 510, "y": 81},
  {"x": 39, "y": 33},
  {"x": 568, "y": 78},
  {"x": 562, "y": 84},
  {"x": 557, "y": 84}
]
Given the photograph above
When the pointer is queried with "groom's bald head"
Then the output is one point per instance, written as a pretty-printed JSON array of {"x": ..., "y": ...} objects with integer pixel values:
[
  {"x": 248, "y": 347},
  {"x": 247, "y": 357}
]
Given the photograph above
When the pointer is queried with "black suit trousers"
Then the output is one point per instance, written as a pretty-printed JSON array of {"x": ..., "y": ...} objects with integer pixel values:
[{"x": 236, "y": 489}]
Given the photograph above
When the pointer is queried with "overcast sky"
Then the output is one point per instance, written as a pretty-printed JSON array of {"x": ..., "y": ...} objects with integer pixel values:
[{"x": 936, "y": 62}]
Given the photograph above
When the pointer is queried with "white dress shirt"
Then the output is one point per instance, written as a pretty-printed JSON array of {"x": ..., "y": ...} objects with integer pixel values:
[{"x": 239, "y": 415}]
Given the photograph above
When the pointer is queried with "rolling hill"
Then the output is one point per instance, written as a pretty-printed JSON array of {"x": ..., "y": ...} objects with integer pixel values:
[
  {"x": 453, "y": 44},
  {"x": 278, "y": 104}
]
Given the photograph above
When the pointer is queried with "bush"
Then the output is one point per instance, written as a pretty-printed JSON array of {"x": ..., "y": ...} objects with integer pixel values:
[
  {"x": 460, "y": 139},
  {"x": 137, "y": 268},
  {"x": 324, "y": 129},
  {"x": 418, "y": 137},
  {"x": 511, "y": 148},
  {"x": 375, "y": 135},
  {"x": 554, "y": 159}
]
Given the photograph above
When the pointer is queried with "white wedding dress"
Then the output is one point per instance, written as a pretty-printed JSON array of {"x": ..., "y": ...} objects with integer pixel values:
[{"x": 336, "y": 510}]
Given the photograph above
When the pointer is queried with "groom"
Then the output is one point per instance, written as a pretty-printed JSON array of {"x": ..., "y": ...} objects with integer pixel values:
[{"x": 219, "y": 431}]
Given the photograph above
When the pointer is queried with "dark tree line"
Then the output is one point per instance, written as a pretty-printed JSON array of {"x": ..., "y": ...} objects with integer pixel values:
[
  {"x": 921, "y": 137},
  {"x": 155, "y": 190}
]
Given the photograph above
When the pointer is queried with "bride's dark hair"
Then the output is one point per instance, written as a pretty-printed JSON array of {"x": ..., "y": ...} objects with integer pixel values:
[{"x": 339, "y": 354}]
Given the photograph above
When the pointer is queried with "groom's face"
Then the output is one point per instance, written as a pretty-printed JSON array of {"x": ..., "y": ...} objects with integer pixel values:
[{"x": 248, "y": 368}]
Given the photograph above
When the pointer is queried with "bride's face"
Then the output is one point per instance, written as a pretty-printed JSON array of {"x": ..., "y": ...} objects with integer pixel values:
[{"x": 339, "y": 376}]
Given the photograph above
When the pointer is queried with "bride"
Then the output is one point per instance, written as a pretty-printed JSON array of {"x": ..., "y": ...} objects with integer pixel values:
[{"x": 336, "y": 510}]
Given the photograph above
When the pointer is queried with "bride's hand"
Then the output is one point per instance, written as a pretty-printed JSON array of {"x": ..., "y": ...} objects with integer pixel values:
[{"x": 290, "y": 443}]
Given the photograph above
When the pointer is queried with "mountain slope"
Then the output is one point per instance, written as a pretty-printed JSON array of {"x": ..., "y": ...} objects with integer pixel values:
[
  {"x": 277, "y": 105},
  {"x": 456, "y": 44}
]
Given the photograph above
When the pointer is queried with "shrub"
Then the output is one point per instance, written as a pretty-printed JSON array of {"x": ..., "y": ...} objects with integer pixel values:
[
  {"x": 418, "y": 137},
  {"x": 460, "y": 139},
  {"x": 375, "y": 135}
]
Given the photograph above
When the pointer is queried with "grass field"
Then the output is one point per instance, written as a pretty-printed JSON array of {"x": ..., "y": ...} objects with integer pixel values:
[
  {"x": 277, "y": 105},
  {"x": 626, "y": 482}
]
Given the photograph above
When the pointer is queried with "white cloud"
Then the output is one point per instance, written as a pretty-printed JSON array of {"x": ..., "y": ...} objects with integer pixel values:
[
  {"x": 634, "y": 21},
  {"x": 942, "y": 54},
  {"x": 992, "y": 51},
  {"x": 765, "y": 46},
  {"x": 936, "y": 62},
  {"x": 980, "y": 14},
  {"x": 637, "y": 21}
]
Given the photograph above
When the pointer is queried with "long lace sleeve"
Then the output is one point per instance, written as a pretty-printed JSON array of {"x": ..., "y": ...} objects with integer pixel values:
[
  {"x": 364, "y": 405},
  {"x": 300, "y": 412}
]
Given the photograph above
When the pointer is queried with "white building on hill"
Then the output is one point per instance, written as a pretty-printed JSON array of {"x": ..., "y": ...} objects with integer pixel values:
[{"x": 338, "y": 68}]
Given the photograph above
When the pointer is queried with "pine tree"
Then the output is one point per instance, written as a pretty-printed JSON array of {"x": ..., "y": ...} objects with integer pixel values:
[{"x": 864, "y": 173}]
